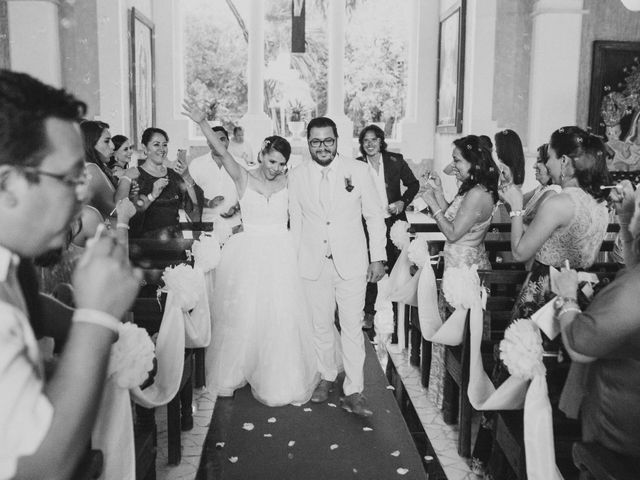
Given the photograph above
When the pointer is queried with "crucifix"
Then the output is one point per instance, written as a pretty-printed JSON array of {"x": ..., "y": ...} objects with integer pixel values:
[{"x": 297, "y": 26}]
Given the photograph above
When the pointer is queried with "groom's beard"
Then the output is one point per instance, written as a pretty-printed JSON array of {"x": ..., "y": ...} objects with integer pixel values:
[{"x": 326, "y": 159}]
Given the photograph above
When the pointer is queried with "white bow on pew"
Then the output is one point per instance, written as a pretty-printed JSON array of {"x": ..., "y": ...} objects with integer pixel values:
[
  {"x": 186, "y": 323},
  {"x": 525, "y": 388}
]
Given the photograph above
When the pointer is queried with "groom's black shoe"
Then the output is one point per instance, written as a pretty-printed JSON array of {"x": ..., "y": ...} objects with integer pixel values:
[
  {"x": 321, "y": 393},
  {"x": 357, "y": 404}
]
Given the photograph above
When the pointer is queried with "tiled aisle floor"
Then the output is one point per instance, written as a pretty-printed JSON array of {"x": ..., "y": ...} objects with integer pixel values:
[{"x": 443, "y": 437}]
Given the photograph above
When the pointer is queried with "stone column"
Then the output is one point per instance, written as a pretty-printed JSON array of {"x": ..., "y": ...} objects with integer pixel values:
[
  {"x": 335, "y": 76},
  {"x": 34, "y": 43},
  {"x": 555, "y": 57},
  {"x": 417, "y": 128},
  {"x": 257, "y": 125}
]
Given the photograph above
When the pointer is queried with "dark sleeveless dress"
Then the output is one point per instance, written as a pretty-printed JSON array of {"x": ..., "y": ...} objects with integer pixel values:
[{"x": 161, "y": 219}]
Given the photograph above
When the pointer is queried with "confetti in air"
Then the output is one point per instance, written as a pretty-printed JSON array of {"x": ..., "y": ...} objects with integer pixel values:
[
  {"x": 402, "y": 471},
  {"x": 272, "y": 420},
  {"x": 334, "y": 446},
  {"x": 233, "y": 459},
  {"x": 396, "y": 453},
  {"x": 248, "y": 426}
]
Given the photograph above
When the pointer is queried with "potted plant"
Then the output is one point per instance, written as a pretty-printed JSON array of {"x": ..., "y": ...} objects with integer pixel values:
[{"x": 296, "y": 124}]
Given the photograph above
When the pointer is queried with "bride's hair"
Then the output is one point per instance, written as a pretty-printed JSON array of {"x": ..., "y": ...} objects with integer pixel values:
[{"x": 278, "y": 144}]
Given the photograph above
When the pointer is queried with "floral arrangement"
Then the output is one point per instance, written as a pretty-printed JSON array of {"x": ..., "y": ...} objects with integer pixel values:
[
  {"x": 348, "y": 185},
  {"x": 185, "y": 283},
  {"x": 206, "y": 252},
  {"x": 461, "y": 286},
  {"x": 399, "y": 234},
  {"x": 131, "y": 356},
  {"x": 418, "y": 252},
  {"x": 521, "y": 349}
]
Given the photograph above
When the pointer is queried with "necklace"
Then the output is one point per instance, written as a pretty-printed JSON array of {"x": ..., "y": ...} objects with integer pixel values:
[{"x": 156, "y": 171}]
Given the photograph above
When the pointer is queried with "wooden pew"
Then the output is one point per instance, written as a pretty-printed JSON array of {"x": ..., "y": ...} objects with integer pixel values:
[
  {"x": 420, "y": 349},
  {"x": 509, "y": 432},
  {"x": 596, "y": 462},
  {"x": 504, "y": 286},
  {"x": 153, "y": 256}
]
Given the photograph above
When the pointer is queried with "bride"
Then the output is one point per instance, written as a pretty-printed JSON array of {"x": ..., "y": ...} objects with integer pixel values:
[{"x": 262, "y": 332}]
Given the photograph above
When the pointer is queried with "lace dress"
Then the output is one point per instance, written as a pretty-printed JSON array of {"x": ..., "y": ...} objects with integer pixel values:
[
  {"x": 579, "y": 243},
  {"x": 468, "y": 250},
  {"x": 262, "y": 332}
]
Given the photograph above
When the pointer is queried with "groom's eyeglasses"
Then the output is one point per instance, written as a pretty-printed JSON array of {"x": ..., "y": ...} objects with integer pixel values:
[{"x": 327, "y": 142}]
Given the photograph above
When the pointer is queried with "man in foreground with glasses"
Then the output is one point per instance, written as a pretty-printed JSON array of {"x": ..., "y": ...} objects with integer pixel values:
[
  {"x": 45, "y": 424},
  {"x": 390, "y": 172},
  {"x": 328, "y": 197}
]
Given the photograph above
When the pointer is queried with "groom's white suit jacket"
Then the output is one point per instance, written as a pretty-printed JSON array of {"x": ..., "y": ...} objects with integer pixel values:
[{"x": 342, "y": 228}]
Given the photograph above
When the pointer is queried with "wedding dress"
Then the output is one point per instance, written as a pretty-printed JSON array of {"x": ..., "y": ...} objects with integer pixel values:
[{"x": 262, "y": 332}]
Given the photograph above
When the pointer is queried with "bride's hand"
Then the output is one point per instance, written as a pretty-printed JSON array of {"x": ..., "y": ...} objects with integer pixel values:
[{"x": 192, "y": 110}]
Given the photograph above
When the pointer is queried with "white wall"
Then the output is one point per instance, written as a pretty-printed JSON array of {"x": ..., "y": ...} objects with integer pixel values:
[
  {"x": 478, "y": 82},
  {"x": 113, "y": 52},
  {"x": 34, "y": 44}
]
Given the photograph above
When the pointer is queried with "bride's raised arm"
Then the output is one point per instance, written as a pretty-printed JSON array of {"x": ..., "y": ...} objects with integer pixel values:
[{"x": 233, "y": 168}]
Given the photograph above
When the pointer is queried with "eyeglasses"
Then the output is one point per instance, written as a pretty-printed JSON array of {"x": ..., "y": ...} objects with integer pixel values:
[
  {"x": 370, "y": 141},
  {"x": 72, "y": 180},
  {"x": 327, "y": 142}
]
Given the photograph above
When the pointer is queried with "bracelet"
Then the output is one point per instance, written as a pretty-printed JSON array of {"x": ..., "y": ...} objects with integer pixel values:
[
  {"x": 516, "y": 213},
  {"x": 150, "y": 197},
  {"x": 436, "y": 213},
  {"x": 124, "y": 177},
  {"x": 122, "y": 225},
  {"x": 96, "y": 317},
  {"x": 569, "y": 308}
]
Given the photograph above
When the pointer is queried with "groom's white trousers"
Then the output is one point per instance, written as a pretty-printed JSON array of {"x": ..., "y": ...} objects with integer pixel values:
[{"x": 322, "y": 295}]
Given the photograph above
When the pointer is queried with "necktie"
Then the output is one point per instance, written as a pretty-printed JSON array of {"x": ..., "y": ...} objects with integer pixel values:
[{"x": 324, "y": 191}]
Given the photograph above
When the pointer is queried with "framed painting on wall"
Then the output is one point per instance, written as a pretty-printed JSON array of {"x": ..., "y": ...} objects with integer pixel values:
[
  {"x": 614, "y": 101},
  {"x": 451, "y": 70},
  {"x": 142, "y": 78}
]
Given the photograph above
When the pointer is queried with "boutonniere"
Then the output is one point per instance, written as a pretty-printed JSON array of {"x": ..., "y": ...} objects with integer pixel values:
[{"x": 348, "y": 186}]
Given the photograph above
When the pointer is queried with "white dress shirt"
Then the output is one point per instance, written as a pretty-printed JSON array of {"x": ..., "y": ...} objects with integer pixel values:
[
  {"x": 380, "y": 182},
  {"x": 214, "y": 181},
  {"x": 25, "y": 411},
  {"x": 243, "y": 154}
]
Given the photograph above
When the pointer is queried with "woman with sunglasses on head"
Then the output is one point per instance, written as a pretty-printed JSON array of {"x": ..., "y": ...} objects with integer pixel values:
[{"x": 262, "y": 332}]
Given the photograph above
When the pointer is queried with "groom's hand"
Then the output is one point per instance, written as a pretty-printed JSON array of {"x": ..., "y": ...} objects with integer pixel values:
[{"x": 375, "y": 271}]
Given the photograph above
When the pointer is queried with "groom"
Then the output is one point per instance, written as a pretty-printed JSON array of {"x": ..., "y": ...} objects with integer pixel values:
[{"x": 328, "y": 197}]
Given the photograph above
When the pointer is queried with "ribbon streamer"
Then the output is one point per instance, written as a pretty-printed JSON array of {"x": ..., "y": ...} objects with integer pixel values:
[{"x": 179, "y": 329}]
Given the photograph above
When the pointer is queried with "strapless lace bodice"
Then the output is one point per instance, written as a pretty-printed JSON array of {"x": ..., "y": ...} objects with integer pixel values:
[
  {"x": 469, "y": 249},
  {"x": 475, "y": 235},
  {"x": 578, "y": 242},
  {"x": 264, "y": 214}
]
